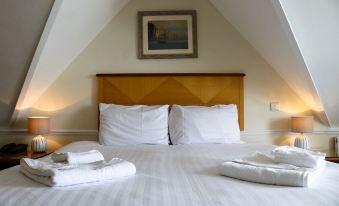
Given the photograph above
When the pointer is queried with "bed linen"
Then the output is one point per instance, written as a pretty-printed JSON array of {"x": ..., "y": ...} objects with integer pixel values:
[
  {"x": 170, "y": 175},
  {"x": 136, "y": 124},
  {"x": 192, "y": 124}
]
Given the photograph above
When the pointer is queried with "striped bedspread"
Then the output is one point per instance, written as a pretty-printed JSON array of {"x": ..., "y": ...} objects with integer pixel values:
[{"x": 170, "y": 175}]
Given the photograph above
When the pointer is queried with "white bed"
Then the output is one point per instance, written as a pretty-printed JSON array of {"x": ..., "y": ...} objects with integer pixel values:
[{"x": 170, "y": 175}]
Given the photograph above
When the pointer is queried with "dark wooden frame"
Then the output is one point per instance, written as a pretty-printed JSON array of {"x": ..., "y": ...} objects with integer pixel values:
[
  {"x": 10, "y": 160},
  {"x": 141, "y": 55}
]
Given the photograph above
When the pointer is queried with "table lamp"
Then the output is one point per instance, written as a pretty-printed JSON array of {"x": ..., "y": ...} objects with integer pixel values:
[
  {"x": 302, "y": 125},
  {"x": 38, "y": 126}
]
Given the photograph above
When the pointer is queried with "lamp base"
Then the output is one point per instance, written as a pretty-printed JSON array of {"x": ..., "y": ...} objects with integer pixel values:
[
  {"x": 302, "y": 141},
  {"x": 39, "y": 144}
]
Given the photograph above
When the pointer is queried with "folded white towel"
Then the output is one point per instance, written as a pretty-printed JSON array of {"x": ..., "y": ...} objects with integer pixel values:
[
  {"x": 261, "y": 168},
  {"x": 78, "y": 157},
  {"x": 298, "y": 157},
  {"x": 263, "y": 160},
  {"x": 59, "y": 174}
]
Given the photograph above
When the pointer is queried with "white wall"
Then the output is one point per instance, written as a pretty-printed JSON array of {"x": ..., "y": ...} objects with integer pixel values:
[
  {"x": 315, "y": 25},
  {"x": 71, "y": 100},
  {"x": 263, "y": 24},
  {"x": 71, "y": 26}
]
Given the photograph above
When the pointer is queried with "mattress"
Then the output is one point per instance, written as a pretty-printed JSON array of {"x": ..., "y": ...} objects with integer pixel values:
[{"x": 170, "y": 175}]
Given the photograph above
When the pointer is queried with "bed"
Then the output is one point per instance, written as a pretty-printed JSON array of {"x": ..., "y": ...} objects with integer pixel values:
[{"x": 170, "y": 174}]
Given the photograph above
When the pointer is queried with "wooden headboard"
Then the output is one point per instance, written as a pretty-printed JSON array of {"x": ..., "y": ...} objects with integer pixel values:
[{"x": 183, "y": 89}]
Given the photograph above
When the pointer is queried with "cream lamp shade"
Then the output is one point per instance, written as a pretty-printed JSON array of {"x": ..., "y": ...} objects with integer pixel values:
[
  {"x": 39, "y": 126},
  {"x": 302, "y": 125}
]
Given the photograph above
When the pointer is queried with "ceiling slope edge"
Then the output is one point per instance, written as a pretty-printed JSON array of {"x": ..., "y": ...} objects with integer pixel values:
[
  {"x": 21, "y": 99},
  {"x": 68, "y": 31},
  {"x": 318, "y": 107},
  {"x": 264, "y": 25},
  {"x": 314, "y": 25}
]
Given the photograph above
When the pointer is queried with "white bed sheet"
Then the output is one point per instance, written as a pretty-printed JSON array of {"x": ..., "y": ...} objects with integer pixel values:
[{"x": 170, "y": 175}]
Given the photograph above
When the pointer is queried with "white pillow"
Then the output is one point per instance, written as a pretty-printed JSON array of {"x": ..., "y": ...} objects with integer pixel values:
[
  {"x": 198, "y": 124},
  {"x": 139, "y": 124}
]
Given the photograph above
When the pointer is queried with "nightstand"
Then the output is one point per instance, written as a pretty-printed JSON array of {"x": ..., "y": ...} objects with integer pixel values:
[
  {"x": 10, "y": 160},
  {"x": 330, "y": 155},
  {"x": 332, "y": 159}
]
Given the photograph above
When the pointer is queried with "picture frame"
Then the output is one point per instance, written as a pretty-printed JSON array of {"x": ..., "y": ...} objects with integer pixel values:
[{"x": 167, "y": 34}]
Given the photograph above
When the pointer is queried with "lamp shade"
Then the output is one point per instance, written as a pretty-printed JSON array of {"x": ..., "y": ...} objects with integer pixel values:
[
  {"x": 38, "y": 125},
  {"x": 302, "y": 124}
]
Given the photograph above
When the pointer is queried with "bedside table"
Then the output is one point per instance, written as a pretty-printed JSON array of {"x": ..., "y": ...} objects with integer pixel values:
[
  {"x": 332, "y": 159},
  {"x": 10, "y": 160},
  {"x": 330, "y": 155}
]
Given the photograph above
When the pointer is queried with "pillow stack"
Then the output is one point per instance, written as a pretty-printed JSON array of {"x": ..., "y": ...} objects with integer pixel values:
[{"x": 140, "y": 124}]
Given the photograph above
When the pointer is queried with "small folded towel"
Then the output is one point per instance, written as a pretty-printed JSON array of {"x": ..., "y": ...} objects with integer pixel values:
[
  {"x": 59, "y": 174},
  {"x": 260, "y": 168},
  {"x": 78, "y": 157},
  {"x": 298, "y": 157}
]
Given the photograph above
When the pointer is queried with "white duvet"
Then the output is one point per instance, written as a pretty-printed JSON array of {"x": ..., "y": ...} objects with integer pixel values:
[{"x": 170, "y": 175}]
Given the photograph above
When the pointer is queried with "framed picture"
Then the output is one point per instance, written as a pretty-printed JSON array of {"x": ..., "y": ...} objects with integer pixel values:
[{"x": 167, "y": 34}]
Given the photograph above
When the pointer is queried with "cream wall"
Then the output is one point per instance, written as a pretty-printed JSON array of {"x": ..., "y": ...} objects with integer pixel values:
[{"x": 71, "y": 100}]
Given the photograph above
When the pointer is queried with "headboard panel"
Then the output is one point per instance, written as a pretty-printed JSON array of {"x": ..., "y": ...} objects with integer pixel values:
[{"x": 183, "y": 89}]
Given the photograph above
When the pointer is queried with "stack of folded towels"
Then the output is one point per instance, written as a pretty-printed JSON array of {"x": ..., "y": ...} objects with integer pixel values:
[
  {"x": 290, "y": 166},
  {"x": 73, "y": 168}
]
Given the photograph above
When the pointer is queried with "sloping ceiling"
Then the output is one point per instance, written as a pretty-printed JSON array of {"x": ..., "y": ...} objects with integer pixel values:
[
  {"x": 278, "y": 29},
  {"x": 71, "y": 26},
  {"x": 21, "y": 25},
  {"x": 315, "y": 25},
  {"x": 263, "y": 23}
]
